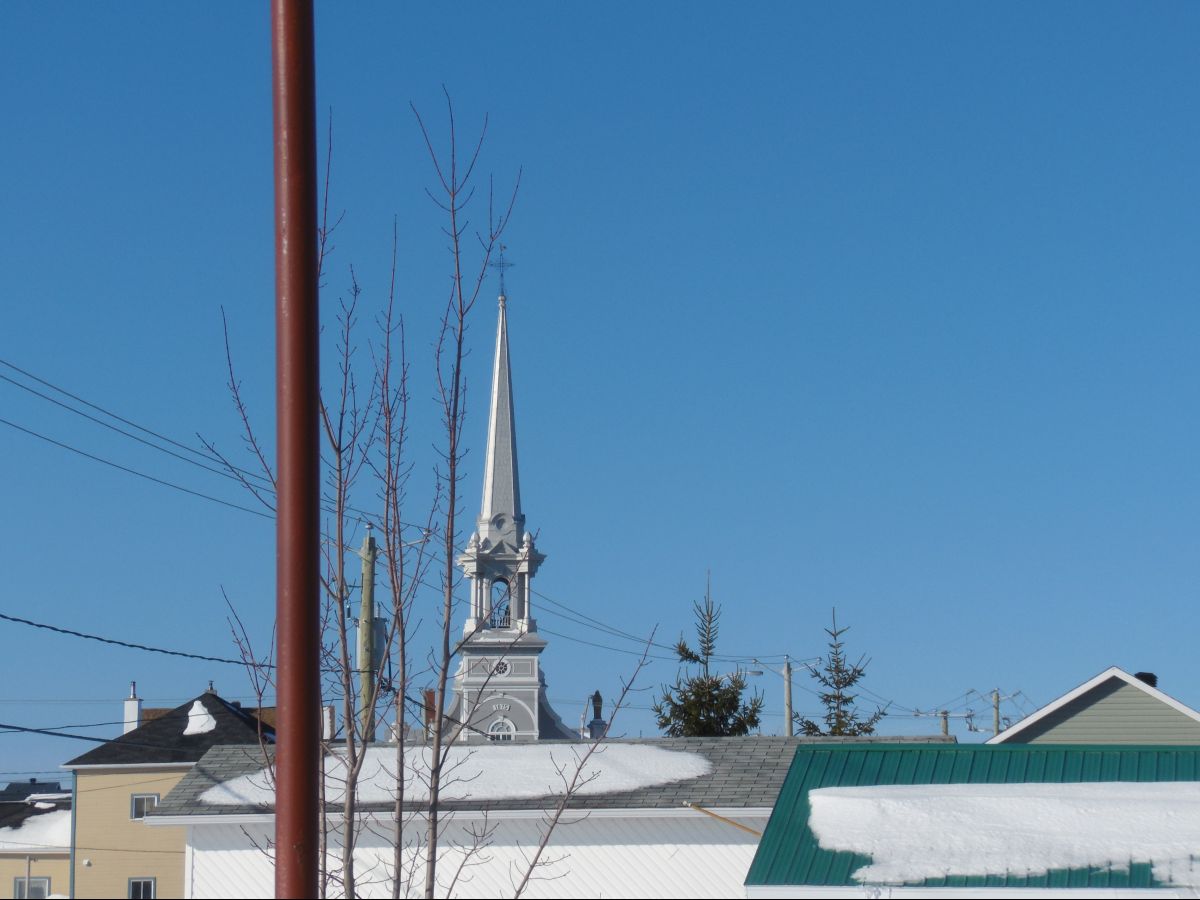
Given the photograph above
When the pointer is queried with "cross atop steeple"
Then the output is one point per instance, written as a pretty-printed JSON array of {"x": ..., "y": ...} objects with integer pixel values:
[{"x": 501, "y": 264}]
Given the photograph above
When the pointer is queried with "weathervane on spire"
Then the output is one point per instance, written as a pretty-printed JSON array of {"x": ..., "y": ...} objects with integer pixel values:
[{"x": 501, "y": 264}]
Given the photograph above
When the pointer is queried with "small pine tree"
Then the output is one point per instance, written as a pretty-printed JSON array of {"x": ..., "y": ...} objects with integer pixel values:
[
  {"x": 706, "y": 705},
  {"x": 837, "y": 676}
]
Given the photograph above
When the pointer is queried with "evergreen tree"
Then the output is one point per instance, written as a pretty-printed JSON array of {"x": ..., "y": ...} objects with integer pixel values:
[
  {"x": 706, "y": 704},
  {"x": 837, "y": 676}
]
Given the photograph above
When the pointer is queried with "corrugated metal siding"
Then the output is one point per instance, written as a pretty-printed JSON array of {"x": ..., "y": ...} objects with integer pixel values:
[
  {"x": 595, "y": 857},
  {"x": 1113, "y": 713},
  {"x": 789, "y": 855}
]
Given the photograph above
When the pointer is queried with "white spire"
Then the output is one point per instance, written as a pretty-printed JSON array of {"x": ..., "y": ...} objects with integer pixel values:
[{"x": 500, "y": 517}]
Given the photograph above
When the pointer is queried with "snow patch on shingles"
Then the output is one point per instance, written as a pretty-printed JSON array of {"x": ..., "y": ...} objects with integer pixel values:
[
  {"x": 46, "y": 832},
  {"x": 200, "y": 720},
  {"x": 488, "y": 772},
  {"x": 914, "y": 832}
]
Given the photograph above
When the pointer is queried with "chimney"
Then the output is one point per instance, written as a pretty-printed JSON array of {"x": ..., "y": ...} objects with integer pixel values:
[
  {"x": 597, "y": 727},
  {"x": 1148, "y": 677},
  {"x": 430, "y": 697},
  {"x": 133, "y": 709}
]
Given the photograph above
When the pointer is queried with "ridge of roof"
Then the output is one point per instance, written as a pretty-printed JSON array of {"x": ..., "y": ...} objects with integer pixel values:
[
  {"x": 161, "y": 740},
  {"x": 1090, "y": 685}
]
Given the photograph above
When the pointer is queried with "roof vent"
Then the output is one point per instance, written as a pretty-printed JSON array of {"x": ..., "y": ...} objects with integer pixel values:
[{"x": 1149, "y": 677}]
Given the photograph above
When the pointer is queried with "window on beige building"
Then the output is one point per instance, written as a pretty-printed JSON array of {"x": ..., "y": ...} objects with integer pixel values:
[
  {"x": 28, "y": 889},
  {"x": 141, "y": 889},
  {"x": 140, "y": 804}
]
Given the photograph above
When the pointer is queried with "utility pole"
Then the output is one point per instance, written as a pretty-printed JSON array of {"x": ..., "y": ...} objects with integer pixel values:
[
  {"x": 787, "y": 695},
  {"x": 298, "y": 459},
  {"x": 945, "y": 715},
  {"x": 996, "y": 711},
  {"x": 366, "y": 641},
  {"x": 787, "y": 688}
]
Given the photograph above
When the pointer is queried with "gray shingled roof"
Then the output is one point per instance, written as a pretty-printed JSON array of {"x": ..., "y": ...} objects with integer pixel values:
[
  {"x": 162, "y": 739},
  {"x": 747, "y": 772}
]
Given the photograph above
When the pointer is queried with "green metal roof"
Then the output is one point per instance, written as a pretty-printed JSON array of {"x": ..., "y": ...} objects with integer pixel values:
[{"x": 789, "y": 855}]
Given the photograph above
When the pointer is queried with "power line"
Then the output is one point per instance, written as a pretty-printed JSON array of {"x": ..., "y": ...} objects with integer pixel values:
[
  {"x": 132, "y": 646},
  {"x": 133, "y": 437},
  {"x": 156, "y": 480},
  {"x": 93, "y": 849},
  {"x": 595, "y": 623},
  {"x": 113, "y": 415},
  {"x": 230, "y": 471},
  {"x": 606, "y": 646},
  {"x": 590, "y": 622},
  {"x": 616, "y": 632},
  {"x": 49, "y": 732}
]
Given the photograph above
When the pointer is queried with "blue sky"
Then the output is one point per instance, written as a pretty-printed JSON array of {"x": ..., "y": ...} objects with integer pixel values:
[{"x": 889, "y": 309}]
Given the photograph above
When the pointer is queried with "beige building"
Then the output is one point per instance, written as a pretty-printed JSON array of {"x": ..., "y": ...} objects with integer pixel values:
[
  {"x": 35, "y": 841},
  {"x": 120, "y": 781}
]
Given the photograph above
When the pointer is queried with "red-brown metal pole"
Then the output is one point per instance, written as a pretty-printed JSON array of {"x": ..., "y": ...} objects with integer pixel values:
[{"x": 298, "y": 688}]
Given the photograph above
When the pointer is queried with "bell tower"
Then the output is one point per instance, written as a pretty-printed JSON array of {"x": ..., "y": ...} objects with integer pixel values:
[{"x": 500, "y": 691}]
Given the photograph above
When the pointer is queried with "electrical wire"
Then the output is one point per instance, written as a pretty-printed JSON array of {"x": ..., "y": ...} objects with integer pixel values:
[
  {"x": 132, "y": 646},
  {"x": 113, "y": 415},
  {"x": 133, "y": 437},
  {"x": 131, "y": 471},
  {"x": 266, "y": 488}
]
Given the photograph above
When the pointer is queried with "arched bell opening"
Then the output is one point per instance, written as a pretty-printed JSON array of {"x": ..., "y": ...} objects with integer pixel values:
[{"x": 501, "y": 596}]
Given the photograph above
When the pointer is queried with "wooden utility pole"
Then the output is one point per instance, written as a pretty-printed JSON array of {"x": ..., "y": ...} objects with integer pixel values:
[
  {"x": 297, "y": 380},
  {"x": 787, "y": 695},
  {"x": 366, "y": 641}
]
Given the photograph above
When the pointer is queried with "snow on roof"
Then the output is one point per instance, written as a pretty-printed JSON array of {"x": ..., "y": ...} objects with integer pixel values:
[
  {"x": 48, "y": 798},
  {"x": 487, "y": 772},
  {"x": 914, "y": 832},
  {"x": 49, "y": 832},
  {"x": 200, "y": 720}
]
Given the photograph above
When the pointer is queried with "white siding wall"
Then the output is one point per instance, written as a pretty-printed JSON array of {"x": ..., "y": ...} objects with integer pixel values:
[{"x": 596, "y": 857}]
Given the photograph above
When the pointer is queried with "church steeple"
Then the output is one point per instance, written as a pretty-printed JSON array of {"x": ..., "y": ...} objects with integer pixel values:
[
  {"x": 500, "y": 690},
  {"x": 500, "y": 518}
]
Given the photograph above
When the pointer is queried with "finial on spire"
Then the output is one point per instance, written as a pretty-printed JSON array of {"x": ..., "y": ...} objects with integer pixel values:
[{"x": 501, "y": 264}]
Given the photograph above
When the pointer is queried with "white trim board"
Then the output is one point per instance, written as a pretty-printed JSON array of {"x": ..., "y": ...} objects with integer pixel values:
[{"x": 1111, "y": 672}]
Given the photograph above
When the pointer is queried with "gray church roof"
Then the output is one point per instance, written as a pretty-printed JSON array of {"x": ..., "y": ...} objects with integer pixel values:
[{"x": 746, "y": 772}]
